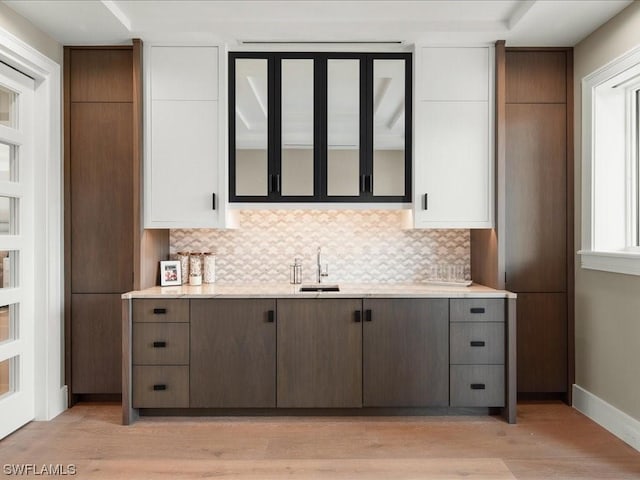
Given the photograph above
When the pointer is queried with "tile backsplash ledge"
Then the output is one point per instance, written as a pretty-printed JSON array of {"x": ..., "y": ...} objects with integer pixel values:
[{"x": 360, "y": 246}]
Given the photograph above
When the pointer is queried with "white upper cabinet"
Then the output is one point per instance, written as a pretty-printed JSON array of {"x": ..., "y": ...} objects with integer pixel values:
[
  {"x": 185, "y": 154},
  {"x": 453, "y": 160}
]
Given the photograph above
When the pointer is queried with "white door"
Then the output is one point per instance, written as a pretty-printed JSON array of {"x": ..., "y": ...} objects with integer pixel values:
[{"x": 16, "y": 251}]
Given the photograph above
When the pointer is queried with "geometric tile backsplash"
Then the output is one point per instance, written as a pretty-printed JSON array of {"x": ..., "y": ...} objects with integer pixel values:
[{"x": 360, "y": 246}]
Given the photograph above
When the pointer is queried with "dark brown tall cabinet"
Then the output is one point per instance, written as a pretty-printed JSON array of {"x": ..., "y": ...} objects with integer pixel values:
[
  {"x": 104, "y": 254},
  {"x": 531, "y": 251}
]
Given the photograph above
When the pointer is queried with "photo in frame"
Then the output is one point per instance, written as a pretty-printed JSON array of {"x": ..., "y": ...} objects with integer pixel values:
[{"x": 170, "y": 273}]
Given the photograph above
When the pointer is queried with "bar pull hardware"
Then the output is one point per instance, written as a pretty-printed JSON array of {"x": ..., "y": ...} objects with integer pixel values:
[
  {"x": 477, "y": 310},
  {"x": 271, "y": 316},
  {"x": 358, "y": 316},
  {"x": 477, "y": 386},
  {"x": 367, "y": 315},
  {"x": 270, "y": 182},
  {"x": 159, "y": 387},
  {"x": 213, "y": 201},
  {"x": 159, "y": 311},
  {"x": 363, "y": 183},
  {"x": 159, "y": 344},
  {"x": 425, "y": 204},
  {"x": 277, "y": 189},
  {"x": 475, "y": 343},
  {"x": 368, "y": 183}
]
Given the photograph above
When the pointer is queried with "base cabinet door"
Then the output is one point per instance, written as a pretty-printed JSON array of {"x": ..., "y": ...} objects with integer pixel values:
[
  {"x": 233, "y": 353},
  {"x": 319, "y": 353},
  {"x": 406, "y": 353}
]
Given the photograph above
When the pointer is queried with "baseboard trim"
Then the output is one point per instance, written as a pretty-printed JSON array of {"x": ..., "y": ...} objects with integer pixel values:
[{"x": 623, "y": 426}]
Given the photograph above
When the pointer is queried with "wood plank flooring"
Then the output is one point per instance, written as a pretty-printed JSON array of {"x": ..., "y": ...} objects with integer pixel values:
[{"x": 550, "y": 441}]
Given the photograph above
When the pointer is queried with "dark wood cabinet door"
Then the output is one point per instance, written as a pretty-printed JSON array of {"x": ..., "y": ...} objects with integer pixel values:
[
  {"x": 101, "y": 189},
  {"x": 101, "y": 75},
  {"x": 233, "y": 353},
  {"x": 542, "y": 342},
  {"x": 319, "y": 353},
  {"x": 96, "y": 343},
  {"x": 406, "y": 353},
  {"x": 536, "y": 77},
  {"x": 536, "y": 198}
]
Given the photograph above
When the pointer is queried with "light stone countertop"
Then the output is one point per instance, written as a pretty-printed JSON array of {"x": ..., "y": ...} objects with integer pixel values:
[{"x": 347, "y": 290}]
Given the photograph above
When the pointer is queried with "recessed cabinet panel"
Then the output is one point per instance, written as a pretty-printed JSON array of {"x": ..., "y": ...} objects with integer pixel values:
[
  {"x": 343, "y": 127},
  {"x": 454, "y": 74},
  {"x": 179, "y": 73},
  {"x": 184, "y": 130},
  {"x": 388, "y": 127},
  {"x": 251, "y": 126},
  {"x": 297, "y": 131},
  {"x": 456, "y": 188}
]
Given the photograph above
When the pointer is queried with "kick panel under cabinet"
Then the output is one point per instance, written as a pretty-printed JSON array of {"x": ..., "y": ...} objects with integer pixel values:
[{"x": 317, "y": 353}]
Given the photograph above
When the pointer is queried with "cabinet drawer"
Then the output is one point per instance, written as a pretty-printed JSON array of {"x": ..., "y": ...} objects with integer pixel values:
[
  {"x": 477, "y": 385},
  {"x": 160, "y": 387},
  {"x": 476, "y": 310},
  {"x": 159, "y": 310},
  {"x": 161, "y": 344},
  {"x": 477, "y": 343}
]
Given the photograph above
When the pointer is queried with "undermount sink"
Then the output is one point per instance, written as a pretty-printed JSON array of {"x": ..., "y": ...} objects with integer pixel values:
[{"x": 320, "y": 288}]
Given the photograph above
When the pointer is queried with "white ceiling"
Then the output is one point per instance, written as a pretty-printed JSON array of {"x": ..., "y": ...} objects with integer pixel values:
[{"x": 519, "y": 22}]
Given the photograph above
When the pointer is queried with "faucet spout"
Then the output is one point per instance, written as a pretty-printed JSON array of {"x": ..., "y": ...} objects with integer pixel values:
[{"x": 320, "y": 271}]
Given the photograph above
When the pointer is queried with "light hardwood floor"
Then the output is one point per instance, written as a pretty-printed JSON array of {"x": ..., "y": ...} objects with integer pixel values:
[{"x": 550, "y": 441}]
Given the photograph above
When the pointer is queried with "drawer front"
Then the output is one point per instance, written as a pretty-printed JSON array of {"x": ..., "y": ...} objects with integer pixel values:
[
  {"x": 159, "y": 310},
  {"x": 161, "y": 344},
  {"x": 477, "y": 343},
  {"x": 160, "y": 387},
  {"x": 476, "y": 309},
  {"x": 477, "y": 385}
]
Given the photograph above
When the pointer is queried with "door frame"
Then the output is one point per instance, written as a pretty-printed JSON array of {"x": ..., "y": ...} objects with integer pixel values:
[{"x": 50, "y": 391}]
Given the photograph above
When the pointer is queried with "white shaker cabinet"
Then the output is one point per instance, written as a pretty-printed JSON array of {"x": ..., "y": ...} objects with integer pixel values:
[
  {"x": 185, "y": 147},
  {"x": 453, "y": 157}
]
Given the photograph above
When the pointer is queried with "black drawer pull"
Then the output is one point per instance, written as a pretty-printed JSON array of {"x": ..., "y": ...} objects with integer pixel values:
[
  {"x": 271, "y": 316},
  {"x": 159, "y": 344},
  {"x": 367, "y": 315},
  {"x": 160, "y": 386},
  {"x": 477, "y": 310},
  {"x": 159, "y": 311},
  {"x": 477, "y": 386},
  {"x": 475, "y": 343},
  {"x": 358, "y": 315}
]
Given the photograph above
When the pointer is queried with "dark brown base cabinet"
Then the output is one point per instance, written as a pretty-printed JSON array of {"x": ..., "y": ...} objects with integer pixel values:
[
  {"x": 406, "y": 352},
  {"x": 310, "y": 353},
  {"x": 233, "y": 353}
]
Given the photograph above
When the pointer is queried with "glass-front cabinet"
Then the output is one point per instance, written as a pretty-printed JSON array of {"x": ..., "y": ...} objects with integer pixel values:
[{"x": 319, "y": 127}]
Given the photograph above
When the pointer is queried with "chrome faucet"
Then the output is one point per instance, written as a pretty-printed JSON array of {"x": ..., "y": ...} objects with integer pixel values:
[{"x": 319, "y": 272}]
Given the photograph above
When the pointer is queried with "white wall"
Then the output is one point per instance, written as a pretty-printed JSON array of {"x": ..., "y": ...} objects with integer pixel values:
[{"x": 607, "y": 323}]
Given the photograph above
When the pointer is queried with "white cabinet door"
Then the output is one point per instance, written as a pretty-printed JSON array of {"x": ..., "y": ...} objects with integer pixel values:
[
  {"x": 453, "y": 156},
  {"x": 184, "y": 144},
  {"x": 185, "y": 161}
]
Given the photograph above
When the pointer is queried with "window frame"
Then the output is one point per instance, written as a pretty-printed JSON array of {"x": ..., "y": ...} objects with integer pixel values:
[{"x": 623, "y": 72}]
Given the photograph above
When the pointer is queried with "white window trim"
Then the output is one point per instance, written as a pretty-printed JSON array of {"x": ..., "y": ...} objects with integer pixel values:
[{"x": 625, "y": 260}]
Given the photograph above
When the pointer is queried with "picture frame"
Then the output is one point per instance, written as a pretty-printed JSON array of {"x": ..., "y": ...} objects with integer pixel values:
[{"x": 170, "y": 273}]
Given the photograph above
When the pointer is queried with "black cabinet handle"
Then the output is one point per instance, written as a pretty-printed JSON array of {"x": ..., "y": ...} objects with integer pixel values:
[
  {"x": 368, "y": 183},
  {"x": 159, "y": 311},
  {"x": 277, "y": 183},
  {"x": 160, "y": 386},
  {"x": 425, "y": 204},
  {"x": 475, "y": 343},
  {"x": 271, "y": 316},
  {"x": 363, "y": 183},
  {"x": 213, "y": 201},
  {"x": 477, "y": 310},
  {"x": 159, "y": 344},
  {"x": 477, "y": 386},
  {"x": 367, "y": 315},
  {"x": 274, "y": 183},
  {"x": 358, "y": 316}
]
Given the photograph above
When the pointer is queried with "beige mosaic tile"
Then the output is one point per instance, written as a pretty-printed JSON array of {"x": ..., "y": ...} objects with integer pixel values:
[{"x": 359, "y": 246}]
